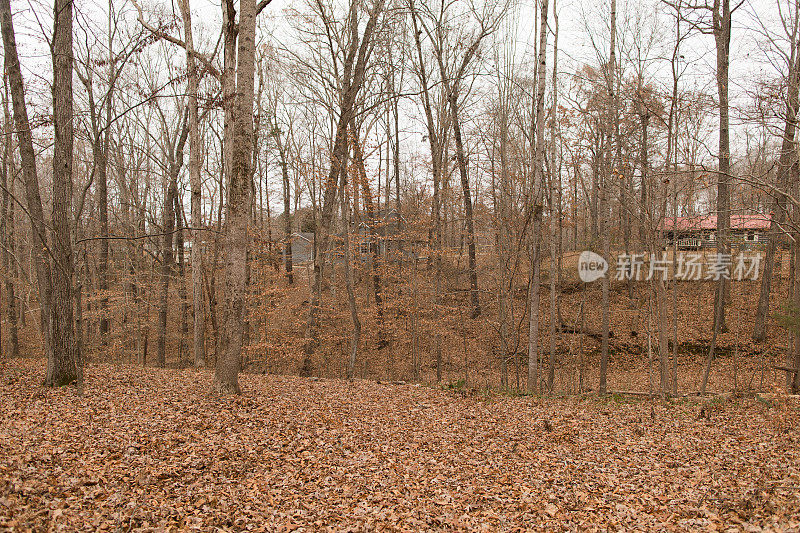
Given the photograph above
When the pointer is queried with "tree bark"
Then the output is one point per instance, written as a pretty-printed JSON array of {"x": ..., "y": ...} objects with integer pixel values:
[
  {"x": 195, "y": 181},
  {"x": 537, "y": 194},
  {"x": 604, "y": 207},
  {"x": 348, "y": 277},
  {"x": 65, "y": 365},
  {"x": 226, "y": 378},
  {"x": 461, "y": 158},
  {"x": 7, "y": 229},
  {"x": 167, "y": 262},
  {"x": 29, "y": 177},
  {"x": 721, "y": 16},
  {"x": 555, "y": 208}
]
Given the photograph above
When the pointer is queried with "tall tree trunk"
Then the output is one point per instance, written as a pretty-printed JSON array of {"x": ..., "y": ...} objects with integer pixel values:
[
  {"x": 437, "y": 150},
  {"x": 348, "y": 276},
  {"x": 361, "y": 176},
  {"x": 167, "y": 262},
  {"x": 795, "y": 385},
  {"x": 461, "y": 158},
  {"x": 29, "y": 177},
  {"x": 604, "y": 206},
  {"x": 287, "y": 217},
  {"x": 555, "y": 208},
  {"x": 721, "y": 15},
  {"x": 102, "y": 186},
  {"x": 537, "y": 195},
  {"x": 101, "y": 176},
  {"x": 65, "y": 365},
  {"x": 196, "y": 185},
  {"x": 504, "y": 233},
  {"x": 7, "y": 228},
  {"x": 226, "y": 378},
  {"x": 182, "y": 292}
]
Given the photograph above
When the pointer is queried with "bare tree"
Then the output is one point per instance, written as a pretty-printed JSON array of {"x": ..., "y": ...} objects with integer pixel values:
[
  {"x": 537, "y": 194},
  {"x": 226, "y": 378},
  {"x": 35, "y": 211},
  {"x": 604, "y": 204},
  {"x": 195, "y": 167},
  {"x": 356, "y": 56},
  {"x": 785, "y": 162},
  {"x": 7, "y": 222},
  {"x": 64, "y": 368},
  {"x": 453, "y": 75}
]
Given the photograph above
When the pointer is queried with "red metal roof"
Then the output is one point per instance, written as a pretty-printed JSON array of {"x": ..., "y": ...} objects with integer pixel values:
[{"x": 709, "y": 222}]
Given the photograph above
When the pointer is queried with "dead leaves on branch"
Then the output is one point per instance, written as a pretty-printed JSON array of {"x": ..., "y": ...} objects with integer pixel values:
[{"x": 147, "y": 449}]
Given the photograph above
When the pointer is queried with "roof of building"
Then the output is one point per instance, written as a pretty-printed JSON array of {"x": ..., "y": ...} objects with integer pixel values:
[{"x": 709, "y": 222}]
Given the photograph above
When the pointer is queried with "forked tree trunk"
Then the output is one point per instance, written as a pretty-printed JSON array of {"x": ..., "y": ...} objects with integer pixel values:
[
  {"x": 226, "y": 378},
  {"x": 354, "y": 69}
]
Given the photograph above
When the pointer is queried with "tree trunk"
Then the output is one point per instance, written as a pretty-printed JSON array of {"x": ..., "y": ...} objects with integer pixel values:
[
  {"x": 182, "y": 293},
  {"x": 7, "y": 225},
  {"x": 461, "y": 158},
  {"x": 287, "y": 217},
  {"x": 555, "y": 187},
  {"x": 722, "y": 37},
  {"x": 437, "y": 150},
  {"x": 226, "y": 378},
  {"x": 65, "y": 365},
  {"x": 604, "y": 206},
  {"x": 537, "y": 195},
  {"x": 196, "y": 184},
  {"x": 361, "y": 174},
  {"x": 29, "y": 177},
  {"x": 348, "y": 277},
  {"x": 167, "y": 262},
  {"x": 778, "y": 210}
]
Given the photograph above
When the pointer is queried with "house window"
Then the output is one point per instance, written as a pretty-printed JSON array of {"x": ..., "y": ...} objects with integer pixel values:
[{"x": 751, "y": 237}]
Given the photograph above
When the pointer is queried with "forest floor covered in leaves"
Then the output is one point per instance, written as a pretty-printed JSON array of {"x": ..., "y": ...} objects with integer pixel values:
[{"x": 149, "y": 449}]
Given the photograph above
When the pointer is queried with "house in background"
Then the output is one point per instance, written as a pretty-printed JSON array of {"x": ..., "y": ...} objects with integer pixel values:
[
  {"x": 391, "y": 234},
  {"x": 302, "y": 247},
  {"x": 701, "y": 231},
  {"x": 388, "y": 224}
]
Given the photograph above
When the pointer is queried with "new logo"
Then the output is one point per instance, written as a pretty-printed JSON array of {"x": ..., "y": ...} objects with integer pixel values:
[{"x": 591, "y": 266}]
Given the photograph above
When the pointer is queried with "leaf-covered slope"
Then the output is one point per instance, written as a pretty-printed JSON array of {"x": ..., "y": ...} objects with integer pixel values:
[{"x": 146, "y": 448}]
